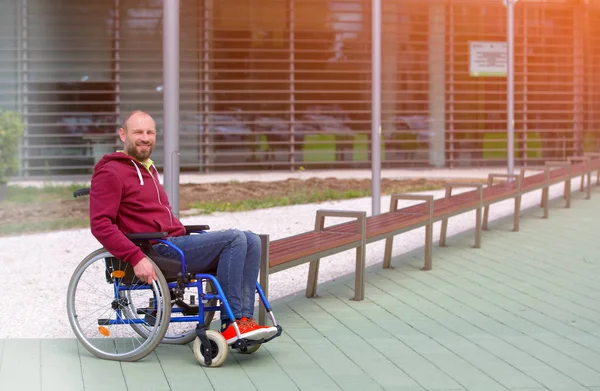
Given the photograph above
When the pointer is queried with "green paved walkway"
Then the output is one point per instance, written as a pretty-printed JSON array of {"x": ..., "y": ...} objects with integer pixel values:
[{"x": 522, "y": 313}]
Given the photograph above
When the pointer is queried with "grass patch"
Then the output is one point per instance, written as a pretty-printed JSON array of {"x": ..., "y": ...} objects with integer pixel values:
[
  {"x": 270, "y": 202},
  {"x": 42, "y": 226},
  {"x": 299, "y": 198},
  {"x": 47, "y": 193}
]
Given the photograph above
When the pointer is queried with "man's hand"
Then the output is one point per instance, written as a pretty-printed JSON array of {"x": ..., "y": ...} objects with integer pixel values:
[{"x": 145, "y": 271}]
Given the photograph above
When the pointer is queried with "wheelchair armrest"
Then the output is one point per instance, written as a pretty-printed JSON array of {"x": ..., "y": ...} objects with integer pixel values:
[
  {"x": 195, "y": 228},
  {"x": 81, "y": 192},
  {"x": 147, "y": 235}
]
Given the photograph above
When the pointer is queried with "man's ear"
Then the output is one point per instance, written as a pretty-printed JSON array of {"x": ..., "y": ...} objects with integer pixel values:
[{"x": 122, "y": 134}]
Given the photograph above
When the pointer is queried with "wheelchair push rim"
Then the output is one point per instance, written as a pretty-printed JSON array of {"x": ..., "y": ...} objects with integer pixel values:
[{"x": 107, "y": 330}]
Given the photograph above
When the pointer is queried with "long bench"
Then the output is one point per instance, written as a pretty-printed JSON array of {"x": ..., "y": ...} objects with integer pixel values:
[{"x": 311, "y": 246}]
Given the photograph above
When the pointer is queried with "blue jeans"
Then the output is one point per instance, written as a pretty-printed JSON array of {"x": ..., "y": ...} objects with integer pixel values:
[{"x": 234, "y": 254}]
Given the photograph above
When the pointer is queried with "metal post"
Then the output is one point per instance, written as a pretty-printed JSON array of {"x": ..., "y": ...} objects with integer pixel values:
[
  {"x": 578, "y": 80},
  {"x": 437, "y": 84},
  {"x": 207, "y": 84},
  {"x": 117, "y": 63},
  {"x": 451, "y": 97},
  {"x": 19, "y": 103},
  {"x": 376, "y": 106},
  {"x": 510, "y": 109},
  {"x": 171, "y": 100},
  {"x": 24, "y": 48},
  {"x": 292, "y": 81},
  {"x": 525, "y": 90}
]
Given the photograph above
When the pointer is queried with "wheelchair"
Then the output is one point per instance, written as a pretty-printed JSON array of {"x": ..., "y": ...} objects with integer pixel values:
[{"x": 127, "y": 318}]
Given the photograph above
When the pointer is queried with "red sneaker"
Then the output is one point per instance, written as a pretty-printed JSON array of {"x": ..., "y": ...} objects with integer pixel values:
[{"x": 249, "y": 329}]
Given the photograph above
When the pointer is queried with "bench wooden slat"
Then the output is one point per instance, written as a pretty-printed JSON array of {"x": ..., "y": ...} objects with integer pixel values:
[
  {"x": 386, "y": 222},
  {"x": 402, "y": 221},
  {"x": 496, "y": 193},
  {"x": 449, "y": 205},
  {"x": 284, "y": 250},
  {"x": 533, "y": 182},
  {"x": 311, "y": 239}
]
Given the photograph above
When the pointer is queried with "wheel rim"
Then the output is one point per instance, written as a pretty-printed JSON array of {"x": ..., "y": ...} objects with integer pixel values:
[
  {"x": 91, "y": 297},
  {"x": 218, "y": 348}
]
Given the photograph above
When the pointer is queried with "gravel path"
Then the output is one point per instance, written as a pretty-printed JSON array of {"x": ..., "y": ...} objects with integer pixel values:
[{"x": 35, "y": 269}]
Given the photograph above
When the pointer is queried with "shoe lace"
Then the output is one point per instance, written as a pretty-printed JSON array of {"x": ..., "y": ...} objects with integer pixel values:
[{"x": 247, "y": 322}]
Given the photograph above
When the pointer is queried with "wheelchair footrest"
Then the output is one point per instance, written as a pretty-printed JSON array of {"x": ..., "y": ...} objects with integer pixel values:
[
  {"x": 245, "y": 343},
  {"x": 279, "y": 331}
]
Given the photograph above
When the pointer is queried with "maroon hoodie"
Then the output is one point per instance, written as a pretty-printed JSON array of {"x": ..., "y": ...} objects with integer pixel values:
[{"x": 126, "y": 198}]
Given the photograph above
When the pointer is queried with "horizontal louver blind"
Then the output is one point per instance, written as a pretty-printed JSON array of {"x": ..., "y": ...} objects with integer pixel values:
[{"x": 279, "y": 84}]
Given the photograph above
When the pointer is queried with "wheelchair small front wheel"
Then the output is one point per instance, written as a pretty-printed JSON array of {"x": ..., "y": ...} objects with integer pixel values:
[{"x": 218, "y": 348}]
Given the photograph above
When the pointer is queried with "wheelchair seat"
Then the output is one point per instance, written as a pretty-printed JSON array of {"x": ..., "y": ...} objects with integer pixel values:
[{"x": 170, "y": 267}]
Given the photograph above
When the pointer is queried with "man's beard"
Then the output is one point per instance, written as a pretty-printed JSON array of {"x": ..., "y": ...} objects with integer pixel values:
[{"x": 139, "y": 155}]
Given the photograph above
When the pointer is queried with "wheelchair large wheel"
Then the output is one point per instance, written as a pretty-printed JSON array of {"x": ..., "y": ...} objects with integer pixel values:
[{"x": 98, "y": 299}]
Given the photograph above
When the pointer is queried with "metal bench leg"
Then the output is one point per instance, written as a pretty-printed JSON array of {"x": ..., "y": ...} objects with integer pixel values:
[
  {"x": 545, "y": 193},
  {"x": 359, "y": 276},
  {"x": 387, "y": 255},
  {"x": 428, "y": 246},
  {"x": 568, "y": 193},
  {"x": 486, "y": 216},
  {"x": 264, "y": 277},
  {"x": 589, "y": 185},
  {"x": 517, "y": 213},
  {"x": 444, "y": 229},
  {"x": 313, "y": 279},
  {"x": 486, "y": 210},
  {"x": 545, "y": 197},
  {"x": 443, "y": 232},
  {"x": 478, "y": 228}
]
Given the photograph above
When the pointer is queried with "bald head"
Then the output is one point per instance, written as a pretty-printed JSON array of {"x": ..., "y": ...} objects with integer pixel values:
[
  {"x": 136, "y": 116},
  {"x": 138, "y": 135}
]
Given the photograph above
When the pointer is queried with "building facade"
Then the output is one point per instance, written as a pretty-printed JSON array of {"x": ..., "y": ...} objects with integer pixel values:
[{"x": 279, "y": 84}]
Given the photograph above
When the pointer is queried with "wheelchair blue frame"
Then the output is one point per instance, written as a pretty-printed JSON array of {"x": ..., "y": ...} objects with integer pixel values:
[{"x": 240, "y": 344}]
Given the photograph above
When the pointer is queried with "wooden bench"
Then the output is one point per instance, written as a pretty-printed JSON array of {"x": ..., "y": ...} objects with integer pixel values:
[
  {"x": 310, "y": 247},
  {"x": 564, "y": 171}
]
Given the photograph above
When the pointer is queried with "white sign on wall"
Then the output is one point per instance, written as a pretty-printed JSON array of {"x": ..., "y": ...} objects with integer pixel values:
[{"x": 488, "y": 59}]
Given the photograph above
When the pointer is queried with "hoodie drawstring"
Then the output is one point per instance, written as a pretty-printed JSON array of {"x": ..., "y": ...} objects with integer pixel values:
[
  {"x": 139, "y": 173},
  {"x": 157, "y": 174}
]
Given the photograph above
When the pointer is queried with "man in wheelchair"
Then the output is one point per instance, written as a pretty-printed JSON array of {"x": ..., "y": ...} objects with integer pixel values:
[{"x": 126, "y": 197}]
